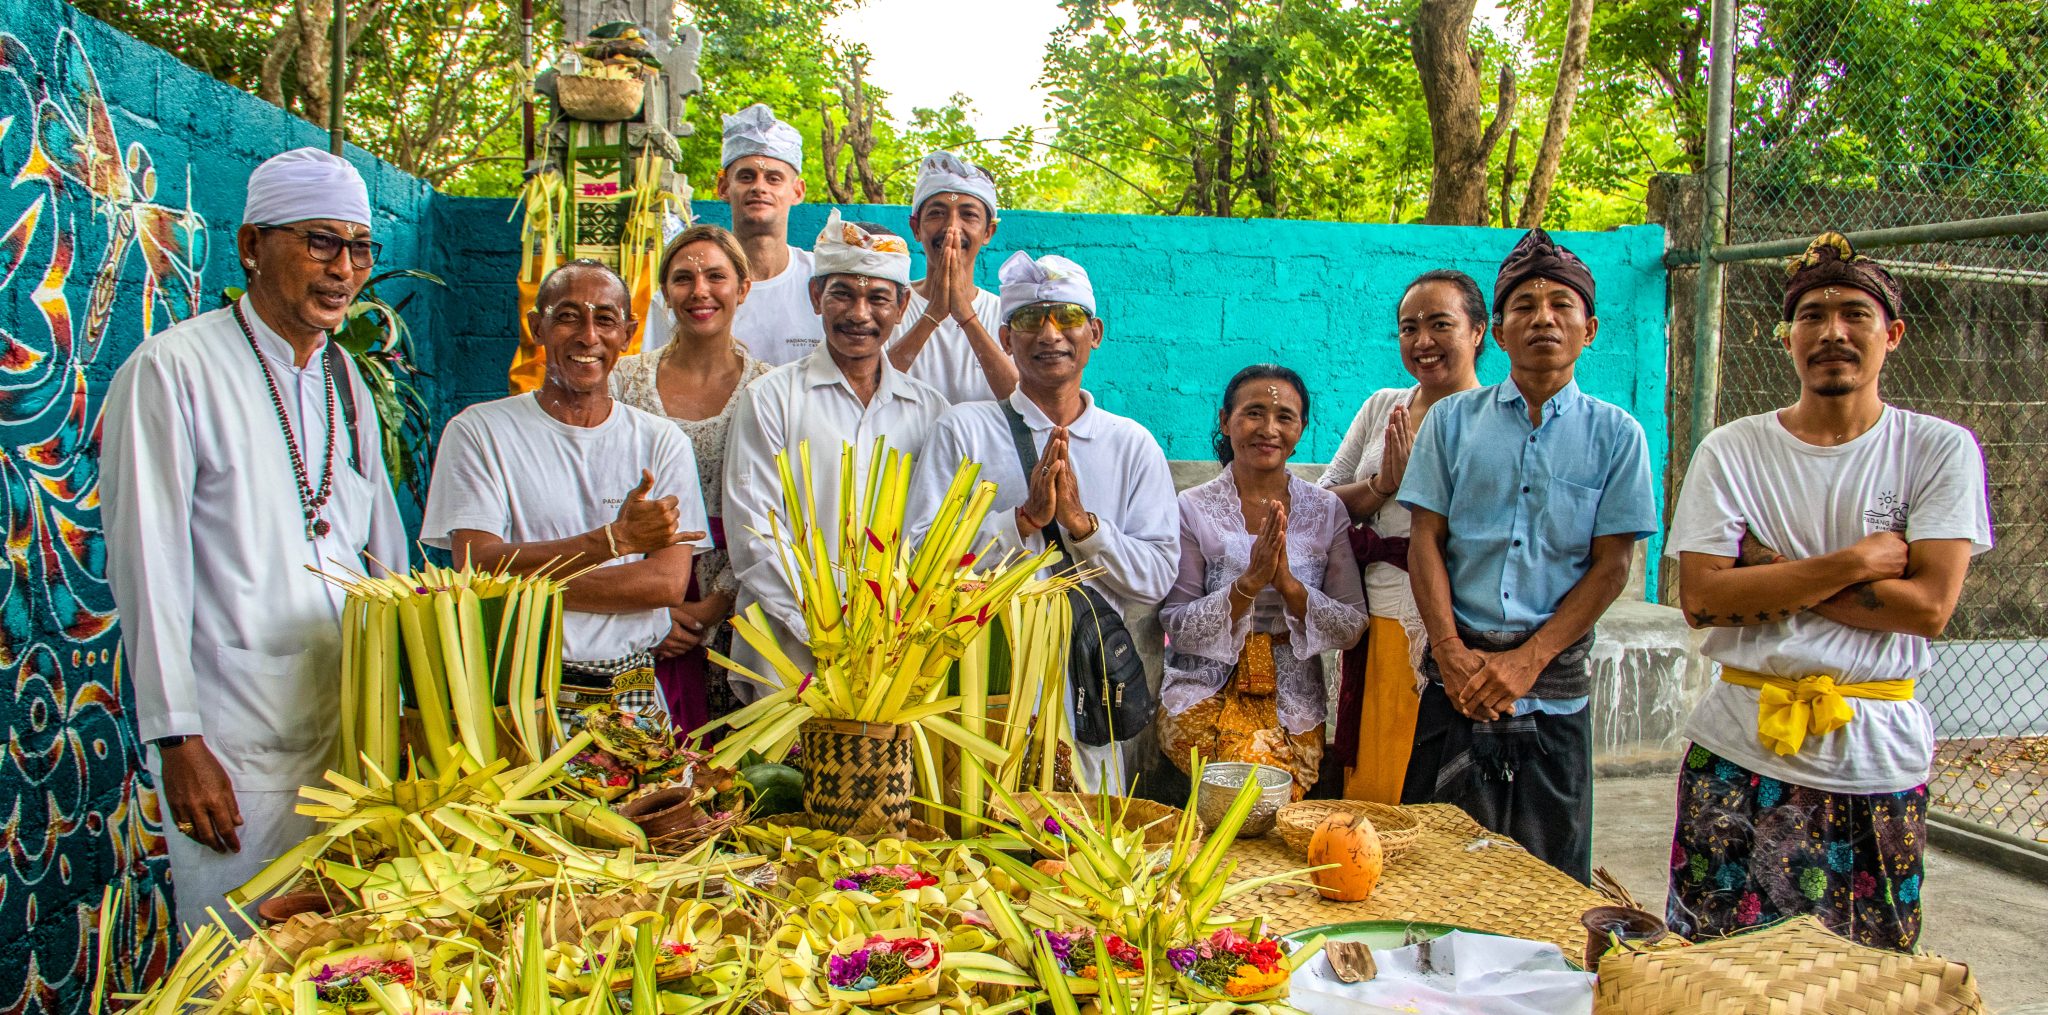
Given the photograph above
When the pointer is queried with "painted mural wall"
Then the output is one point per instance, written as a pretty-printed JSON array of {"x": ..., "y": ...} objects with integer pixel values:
[{"x": 123, "y": 179}]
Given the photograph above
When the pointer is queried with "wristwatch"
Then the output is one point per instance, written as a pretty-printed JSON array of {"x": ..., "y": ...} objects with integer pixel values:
[{"x": 163, "y": 743}]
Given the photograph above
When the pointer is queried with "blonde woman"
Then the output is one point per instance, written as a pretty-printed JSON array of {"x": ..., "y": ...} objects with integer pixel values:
[
  {"x": 692, "y": 380},
  {"x": 1441, "y": 321}
]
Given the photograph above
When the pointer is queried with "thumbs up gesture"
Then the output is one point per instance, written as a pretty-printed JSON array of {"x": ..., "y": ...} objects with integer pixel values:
[{"x": 648, "y": 524}]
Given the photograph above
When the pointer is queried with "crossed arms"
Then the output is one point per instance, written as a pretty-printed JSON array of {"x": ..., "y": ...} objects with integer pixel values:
[{"x": 1879, "y": 583}]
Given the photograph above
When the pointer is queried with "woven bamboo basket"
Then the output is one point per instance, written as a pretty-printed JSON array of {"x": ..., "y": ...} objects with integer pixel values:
[
  {"x": 603, "y": 100},
  {"x": 1397, "y": 828},
  {"x": 1159, "y": 821},
  {"x": 1797, "y": 967},
  {"x": 857, "y": 774}
]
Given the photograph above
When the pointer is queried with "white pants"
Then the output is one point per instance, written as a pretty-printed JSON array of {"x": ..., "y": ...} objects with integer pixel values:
[
  {"x": 201, "y": 878},
  {"x": 1105, "y": 766}
]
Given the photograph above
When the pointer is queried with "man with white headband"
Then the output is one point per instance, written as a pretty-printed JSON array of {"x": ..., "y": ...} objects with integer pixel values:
[
  {"x": 1099, "y": 483},
  {"x": 947, "y": 338},
  {"x": 241, "y": 447},
  {"x": 762, "y": 178},
  {"x": 845, "y": 391}
]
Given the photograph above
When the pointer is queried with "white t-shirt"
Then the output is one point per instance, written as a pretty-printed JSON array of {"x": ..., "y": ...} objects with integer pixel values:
[
  {"x": 1917, "y": 475},
  {"x": 947, "y": 361},
  {"x": 776, "y": 322},
  {"x": 509, "y": 468}
]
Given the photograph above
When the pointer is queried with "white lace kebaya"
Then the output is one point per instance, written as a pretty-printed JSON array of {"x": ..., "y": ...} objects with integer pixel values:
[{"x": 1202, "y": 644}]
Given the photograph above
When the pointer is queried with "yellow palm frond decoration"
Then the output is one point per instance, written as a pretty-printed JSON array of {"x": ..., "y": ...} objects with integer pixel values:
[{"x": 887, "y": 623}]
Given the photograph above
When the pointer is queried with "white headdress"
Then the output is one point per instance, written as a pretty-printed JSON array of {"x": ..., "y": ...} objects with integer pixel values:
[
  {"x": 947, "y": 173},
  {"x": 302, "y": 184},
  {"x": 1049, "y": 279},
  {"x": 846, "y": 249},
  {"x": 755, "y": 131}
]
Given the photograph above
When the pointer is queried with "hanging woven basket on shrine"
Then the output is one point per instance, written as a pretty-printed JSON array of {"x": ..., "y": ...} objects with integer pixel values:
[
  {"x": 855, "y": 771},
  {"x": 598, "y": 99}
]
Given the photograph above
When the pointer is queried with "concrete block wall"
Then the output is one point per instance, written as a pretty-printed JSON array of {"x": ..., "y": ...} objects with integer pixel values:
[{"x": 1189, "y": 301}]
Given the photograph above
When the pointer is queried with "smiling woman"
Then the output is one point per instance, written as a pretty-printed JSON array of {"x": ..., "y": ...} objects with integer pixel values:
[
  {"x": 1257, "y": 542},
  {"x": 694, "y": 381}
]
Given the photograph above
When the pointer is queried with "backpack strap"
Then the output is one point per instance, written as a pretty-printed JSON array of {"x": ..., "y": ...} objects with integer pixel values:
[{"x": 345, "y": 394}]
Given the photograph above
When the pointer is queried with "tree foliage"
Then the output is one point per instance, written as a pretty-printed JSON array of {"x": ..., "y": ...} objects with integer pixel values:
[{"x": 1287, "y": 108}]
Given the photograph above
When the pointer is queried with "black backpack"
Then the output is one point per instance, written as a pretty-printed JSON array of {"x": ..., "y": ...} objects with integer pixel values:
[{"x": 1112, "y": 700}]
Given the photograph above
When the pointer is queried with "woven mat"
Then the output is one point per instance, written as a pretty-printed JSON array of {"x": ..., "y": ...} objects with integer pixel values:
[{"x": 1498, "y": 887}]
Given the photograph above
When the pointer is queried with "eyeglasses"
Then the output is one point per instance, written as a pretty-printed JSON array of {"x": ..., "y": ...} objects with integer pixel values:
[
  {"x": 1066, "y": 315},
  {"x": 570, "y": 316},
  {"x": 323, "y": 246}
]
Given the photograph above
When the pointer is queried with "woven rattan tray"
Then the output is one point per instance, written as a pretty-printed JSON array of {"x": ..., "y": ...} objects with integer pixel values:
[
  {"x": 1456, "y": 873},
  {"x": 1797, "y": 967},
  {"x": 1396, "y": 827}
]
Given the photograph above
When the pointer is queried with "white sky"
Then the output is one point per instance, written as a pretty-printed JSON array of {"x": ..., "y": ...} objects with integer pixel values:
[{"x": 924, "y": 51}]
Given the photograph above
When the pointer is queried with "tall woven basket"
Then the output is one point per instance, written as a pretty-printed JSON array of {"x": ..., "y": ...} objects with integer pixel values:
[{"x": 857, "y": 770}]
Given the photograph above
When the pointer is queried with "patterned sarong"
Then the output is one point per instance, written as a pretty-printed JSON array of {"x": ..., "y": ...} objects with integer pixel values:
[
  {"x": 1751, "y": 850},
  {"x": 626, "y": 684}
]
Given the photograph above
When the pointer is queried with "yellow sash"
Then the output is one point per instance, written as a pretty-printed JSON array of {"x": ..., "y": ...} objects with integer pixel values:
[{"x": 1790, "y": 708}]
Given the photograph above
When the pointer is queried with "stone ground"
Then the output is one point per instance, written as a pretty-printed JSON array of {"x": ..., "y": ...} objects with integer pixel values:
[{"x": 1977, "y": 914}]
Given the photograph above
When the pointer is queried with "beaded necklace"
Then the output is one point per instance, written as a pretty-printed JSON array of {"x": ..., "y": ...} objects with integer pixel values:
[{"x": 311, "y": 501}]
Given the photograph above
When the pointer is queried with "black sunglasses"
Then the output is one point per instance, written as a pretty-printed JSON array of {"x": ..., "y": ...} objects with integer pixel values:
[{"x": 324, "y": 246}]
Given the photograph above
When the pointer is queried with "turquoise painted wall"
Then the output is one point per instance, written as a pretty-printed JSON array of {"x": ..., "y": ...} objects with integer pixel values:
[{"x": 1188, "y": 301}]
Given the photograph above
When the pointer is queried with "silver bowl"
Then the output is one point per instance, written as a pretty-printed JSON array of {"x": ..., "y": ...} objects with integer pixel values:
[{"x": 1220, "y": 783}]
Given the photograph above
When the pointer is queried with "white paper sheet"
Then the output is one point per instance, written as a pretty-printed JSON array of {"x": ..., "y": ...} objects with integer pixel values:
[{"x": 1471, "y": 974}]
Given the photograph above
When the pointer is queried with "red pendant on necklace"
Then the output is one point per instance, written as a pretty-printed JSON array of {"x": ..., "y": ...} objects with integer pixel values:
[{"x": 316, "y": 528}]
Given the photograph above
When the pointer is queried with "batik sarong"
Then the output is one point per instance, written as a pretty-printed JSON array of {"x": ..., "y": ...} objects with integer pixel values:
[{"x": 1751, "y": 850}]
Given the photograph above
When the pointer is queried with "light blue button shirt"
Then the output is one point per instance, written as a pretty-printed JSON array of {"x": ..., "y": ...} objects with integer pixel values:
[{"x": 1523, "y": 502}]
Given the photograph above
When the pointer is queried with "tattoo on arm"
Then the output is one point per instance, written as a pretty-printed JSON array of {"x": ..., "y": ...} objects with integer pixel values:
[
  {"x": 1861, "y": 594},
  {"x": 1753, "y": 552}
]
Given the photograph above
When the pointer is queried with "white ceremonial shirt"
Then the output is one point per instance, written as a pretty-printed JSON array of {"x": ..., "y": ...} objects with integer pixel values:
[
  {"x": 227, "y": 635},
  {"x": 947, "y": 361},
  {"x": 776, "y": 322},
  {"x": 809, "y": 400},
  {"x": 508, "y": 468},
  {"x": 1123, "y": 478},
  {"x": 1917, "y": 475}
]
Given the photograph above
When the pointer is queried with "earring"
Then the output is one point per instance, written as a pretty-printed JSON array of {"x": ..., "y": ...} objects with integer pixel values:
[{"x": 249, "y": 262}]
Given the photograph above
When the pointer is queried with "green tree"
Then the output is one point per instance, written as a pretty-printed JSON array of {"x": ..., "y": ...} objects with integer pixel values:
[{"x": 1207, "y": 106}]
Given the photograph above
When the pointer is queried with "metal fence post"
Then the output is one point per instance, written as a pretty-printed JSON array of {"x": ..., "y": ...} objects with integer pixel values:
[{"x": 1706, "y": 322}]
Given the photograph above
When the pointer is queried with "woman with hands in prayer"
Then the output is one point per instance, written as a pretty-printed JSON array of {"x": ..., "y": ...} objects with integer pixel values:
[{"x": 1267, "y": 584}]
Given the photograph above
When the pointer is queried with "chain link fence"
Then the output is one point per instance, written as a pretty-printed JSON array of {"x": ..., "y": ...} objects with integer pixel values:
[{"x": 1854, "y": 115}]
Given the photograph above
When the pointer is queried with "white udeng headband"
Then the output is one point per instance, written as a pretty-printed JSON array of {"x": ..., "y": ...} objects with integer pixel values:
[
  {"x": 755, "y": 131},
  {"x": 1049, "y": 279},
  {"x": 302, "y": 184},
  {"x": 947, "y": 173},
  {"x": 846, "y": 249}
]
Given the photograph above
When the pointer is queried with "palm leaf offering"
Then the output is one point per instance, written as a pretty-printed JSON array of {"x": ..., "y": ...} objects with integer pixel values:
[
  {"x": 478, "y": 869},
  {"x": 887, "y": 625},
  {"x": 453, "y": 643}
]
